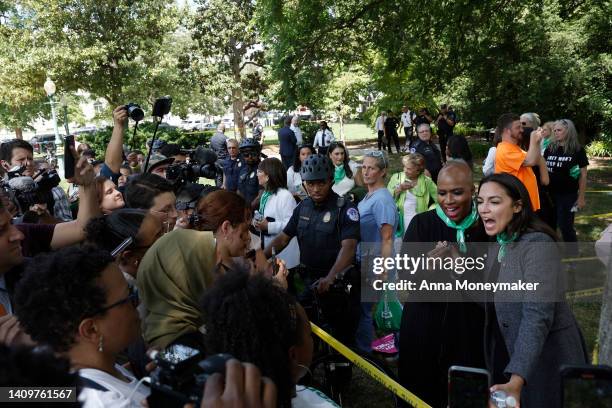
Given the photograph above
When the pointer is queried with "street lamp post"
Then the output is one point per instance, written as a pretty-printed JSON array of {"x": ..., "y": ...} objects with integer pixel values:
[
  {"x": 64, "y": 104},
  {"x": 50, "y": 90}
]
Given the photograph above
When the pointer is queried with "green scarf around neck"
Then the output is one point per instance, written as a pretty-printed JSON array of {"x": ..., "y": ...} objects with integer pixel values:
[
  {"x": 461, "y": 227},
  {"x": 339, "y": 173},
  {"x": 264, "y": 200},
  {"x": 503, "y": 240}
]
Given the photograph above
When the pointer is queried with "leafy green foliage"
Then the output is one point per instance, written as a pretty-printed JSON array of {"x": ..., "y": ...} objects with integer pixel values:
[
  {"x": 188, "y": 140},
  {"x": 599, "y": 148}
]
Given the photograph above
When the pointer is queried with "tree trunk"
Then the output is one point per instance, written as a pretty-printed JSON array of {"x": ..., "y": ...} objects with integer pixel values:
[
  {"x": 237, "y": 95},
  {"x": 238, "y": 107},
  {"x": 19, "y": 133}
]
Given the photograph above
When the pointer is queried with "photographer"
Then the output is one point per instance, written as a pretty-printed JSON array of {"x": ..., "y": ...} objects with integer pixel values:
[
  {"x": 174, "y": 151},
  {"x": 42, "y": 238},
  {"x": 19, "y": 154}
]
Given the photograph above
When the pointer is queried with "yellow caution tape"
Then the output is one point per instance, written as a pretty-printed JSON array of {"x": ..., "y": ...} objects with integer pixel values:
[
  {"x": 584, "y": 293},
  {"x": 370, "y": 369},
  {"x": 595, "y": 359},
  {"x": 586, "y": 258},
  {"x": 584, "y": 217}
]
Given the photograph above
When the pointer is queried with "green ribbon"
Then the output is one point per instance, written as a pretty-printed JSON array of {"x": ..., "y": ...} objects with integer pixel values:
[
  {"x": 503, "y": 241},
  {"x": 264, "y": 200},
  {"x": 339, "y": 173},
  {"x": 461, "y": 227},
  {"x": 575, "y": 172}
]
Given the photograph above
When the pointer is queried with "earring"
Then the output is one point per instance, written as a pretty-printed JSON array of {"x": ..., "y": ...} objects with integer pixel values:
[{"x": 100, "y": 344}]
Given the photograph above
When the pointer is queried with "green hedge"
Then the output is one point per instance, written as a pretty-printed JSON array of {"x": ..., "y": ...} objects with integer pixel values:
[
  {"x": 479, "y": 149},
  {"x": 188, "y": 140}
]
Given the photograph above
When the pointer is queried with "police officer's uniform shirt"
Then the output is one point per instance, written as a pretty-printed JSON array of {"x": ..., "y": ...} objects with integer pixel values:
[
  {"x": 431, "y": 153},
  {"x": 320, "y": 233},
  {"x": 248, "y": 185},
  {"x": 231, "y": 172}
]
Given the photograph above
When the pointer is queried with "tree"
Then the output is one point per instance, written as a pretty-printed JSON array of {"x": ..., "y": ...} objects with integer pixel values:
[
  {"x": 485, "y": 57},
  {"x": 228, "y": 43},
  {"x": 117, "y": 50}
]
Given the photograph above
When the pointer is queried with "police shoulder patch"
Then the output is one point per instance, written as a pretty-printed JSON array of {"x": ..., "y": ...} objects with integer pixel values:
[{"x": 353, "y": 214}]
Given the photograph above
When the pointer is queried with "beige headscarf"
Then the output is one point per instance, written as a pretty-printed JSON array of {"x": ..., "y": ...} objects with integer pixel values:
[{"x": 171, "y": 279}]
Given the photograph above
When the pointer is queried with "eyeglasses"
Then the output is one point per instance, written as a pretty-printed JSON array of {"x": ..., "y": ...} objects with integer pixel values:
[
  {"x": 131, "y": 297},
  {"x": 250, "y": 154},
  {"x": 377, "y": 154}
]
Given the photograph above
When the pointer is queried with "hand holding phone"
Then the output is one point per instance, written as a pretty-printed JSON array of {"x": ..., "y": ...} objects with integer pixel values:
[{"x": 69, "y": 159}]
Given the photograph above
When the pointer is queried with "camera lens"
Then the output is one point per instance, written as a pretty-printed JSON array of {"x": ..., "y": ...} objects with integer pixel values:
[{"x": 135, "y": 112}]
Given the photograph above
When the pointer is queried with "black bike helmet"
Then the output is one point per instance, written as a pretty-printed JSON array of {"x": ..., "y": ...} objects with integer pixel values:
[
  {"x": 316, "y": 167},
  {"x": 249, "y": 143}
]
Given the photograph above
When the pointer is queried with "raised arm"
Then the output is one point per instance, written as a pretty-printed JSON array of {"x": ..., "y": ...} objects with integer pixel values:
[
  {"x": 114, "y": 151},
  {"x": 70, "y": 233},
  {"x": 535, "y": 152}
]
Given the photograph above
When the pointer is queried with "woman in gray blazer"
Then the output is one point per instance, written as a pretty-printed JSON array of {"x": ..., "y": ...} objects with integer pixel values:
[{"x": 529, "y": 334}]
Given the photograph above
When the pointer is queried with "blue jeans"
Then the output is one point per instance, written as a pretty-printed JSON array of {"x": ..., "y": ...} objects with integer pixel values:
[{"x": 365, "y": 329}]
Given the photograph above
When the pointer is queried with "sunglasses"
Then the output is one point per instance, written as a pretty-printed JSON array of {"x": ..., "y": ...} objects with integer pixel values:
[
  {"x": 132, "y": 297},
  {"x": 250, "y": 154},
  {"x": 377, "y": 153}
]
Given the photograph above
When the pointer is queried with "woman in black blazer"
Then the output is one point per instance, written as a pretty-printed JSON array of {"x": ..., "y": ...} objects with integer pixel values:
[{"x": 528, "y": 334}]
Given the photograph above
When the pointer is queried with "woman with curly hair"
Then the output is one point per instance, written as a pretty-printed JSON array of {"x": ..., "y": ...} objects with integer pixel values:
[
  {"x": 77, "y": 301},
  {"x": 256, "y": 321}
]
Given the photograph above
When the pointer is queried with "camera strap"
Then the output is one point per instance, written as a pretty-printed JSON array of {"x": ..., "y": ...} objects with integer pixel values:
[{"x": 89, "y": 383}]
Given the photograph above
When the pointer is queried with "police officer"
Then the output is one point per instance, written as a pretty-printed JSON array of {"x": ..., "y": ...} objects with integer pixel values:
[
  {"x": 327, "y": 228},
  {"x": 250, "y": 155}
]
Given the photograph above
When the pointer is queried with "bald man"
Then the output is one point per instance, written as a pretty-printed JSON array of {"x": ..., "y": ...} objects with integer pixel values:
[{"x": 437, "y": 335}]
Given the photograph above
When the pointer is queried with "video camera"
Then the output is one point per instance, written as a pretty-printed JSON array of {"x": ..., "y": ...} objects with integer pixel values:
[
  {"x": 201, "y": 164},
  {"x": 26, "y": 191},
  {"x": 181, "y": 374}
]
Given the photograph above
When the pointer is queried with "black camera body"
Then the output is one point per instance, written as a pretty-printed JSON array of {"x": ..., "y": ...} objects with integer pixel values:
[
  {"x": 181, "y": 374},
  {"x": 162, "y": 106},
  {"x": 202, "y": 164},
  {"x": 25, "y": 192},
  {"x": 134, "y": 111}
]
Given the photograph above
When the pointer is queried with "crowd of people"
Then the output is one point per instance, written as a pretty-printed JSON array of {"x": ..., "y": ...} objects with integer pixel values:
[{"x": 130, "y": 259}]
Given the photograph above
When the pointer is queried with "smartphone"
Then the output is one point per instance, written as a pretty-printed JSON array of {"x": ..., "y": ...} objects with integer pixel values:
[
  {"x": 586, "y": 386},
  {"x": 275, "y": 266},
  {"x": 177, "y": 356},
  {"x": 468, "y": 387},
  {"x": 69, "y": 162}
]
